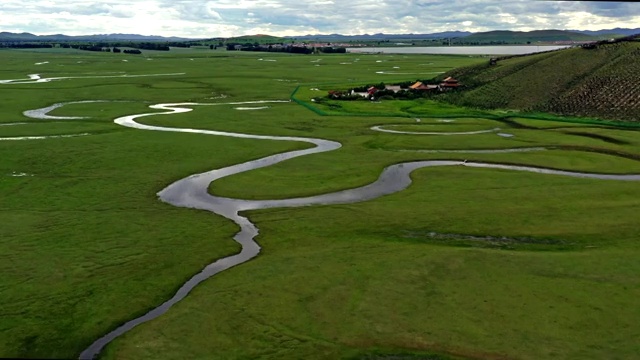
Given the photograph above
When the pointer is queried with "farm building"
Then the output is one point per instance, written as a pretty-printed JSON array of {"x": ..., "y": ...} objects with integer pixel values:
[
  {"x": 422, "y": 86},
  {"x": 365, "y": 94},
  {"x": 394, "y": 88},
  {"x": 449, "y": 83}
]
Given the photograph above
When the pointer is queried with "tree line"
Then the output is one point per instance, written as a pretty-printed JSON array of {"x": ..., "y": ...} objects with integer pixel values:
[
  {"x": 285, "y": 48},
  {"x": 20, "y": 45},
  {"x": 97, "y": 46}
]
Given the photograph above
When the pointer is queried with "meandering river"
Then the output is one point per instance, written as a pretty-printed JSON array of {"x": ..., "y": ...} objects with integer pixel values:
[{"x": 192, "y": 192}]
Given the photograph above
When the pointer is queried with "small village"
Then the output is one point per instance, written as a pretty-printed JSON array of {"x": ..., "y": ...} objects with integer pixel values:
[{"x": 409, "y": 90}]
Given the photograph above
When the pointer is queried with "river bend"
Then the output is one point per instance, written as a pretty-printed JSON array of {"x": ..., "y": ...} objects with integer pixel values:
[{"x": 192, "y": 192}]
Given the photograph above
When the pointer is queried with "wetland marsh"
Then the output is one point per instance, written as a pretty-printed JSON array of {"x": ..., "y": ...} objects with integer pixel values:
[{"x": 92, "y": 241}]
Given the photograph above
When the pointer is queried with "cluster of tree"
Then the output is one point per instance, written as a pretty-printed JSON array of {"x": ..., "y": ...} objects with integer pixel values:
[
  {"x": 96, "y": 46},
  {"x": 332, "y": 50},
  {"x": 342, "y": 95},
  {"x": 489, "y": 42},
  {"x": 379, "y": 91},
  {"x": 104, "y": 49},
  {"x": 407, "y": 94},
  {"x": 635, "y": 37},
  {"x": 100, "y": 46},
  {"x": 20, "y": 45},
  {"x": 151, "y": 46},
  {"x": 384, "y": 94},
  {"x": 269, "y": 48},
  {"x": 179, "y": 44},
  {"x": 285, "y": 48},
  {"x": 91, "y": 48},
  {"x": 403, "y": 85},
  {"x": 365, "y": 88},
  {"x": 158, "y": 46},
  {"x": 406, "y": 84}
]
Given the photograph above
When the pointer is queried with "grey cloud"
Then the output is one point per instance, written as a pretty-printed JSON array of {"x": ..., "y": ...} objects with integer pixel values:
[
  {"x": 321, "y": 16},
  {"x": 612, "y": 9}
]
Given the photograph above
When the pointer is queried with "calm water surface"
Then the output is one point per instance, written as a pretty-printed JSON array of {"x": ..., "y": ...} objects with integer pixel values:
[{"x": 460, "y": 50}]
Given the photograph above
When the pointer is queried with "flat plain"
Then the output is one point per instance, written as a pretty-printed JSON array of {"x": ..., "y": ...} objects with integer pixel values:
[{"x": 465, "y": 263}]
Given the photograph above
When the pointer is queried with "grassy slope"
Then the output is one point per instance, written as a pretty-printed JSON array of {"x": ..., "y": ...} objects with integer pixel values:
[
  {"x": 89, "y": 245},
  {"x": 524, "y": 36},
  {"x": 260, "y": 39},
  {"x": 596, "y": 83}
]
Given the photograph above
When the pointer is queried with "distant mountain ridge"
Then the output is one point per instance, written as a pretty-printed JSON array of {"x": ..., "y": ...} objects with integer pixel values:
[
  {"x": 502, "y": 35},
  {"x": 380, "y": 36},
  {"x": 499, "y": 35},
  {"x": 25, "y": 36},
  {"x": 620, "y": 31}
]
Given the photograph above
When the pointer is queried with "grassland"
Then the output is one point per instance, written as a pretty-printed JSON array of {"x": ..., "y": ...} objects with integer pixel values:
[{"x": 87, "y": 246}]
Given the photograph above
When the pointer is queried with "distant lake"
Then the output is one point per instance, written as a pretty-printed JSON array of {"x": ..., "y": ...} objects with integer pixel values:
[{"x": 460, "y": 50}]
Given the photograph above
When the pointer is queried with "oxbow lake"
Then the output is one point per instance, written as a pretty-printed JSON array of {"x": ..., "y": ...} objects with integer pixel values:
[{"x": 460, "y": 50}]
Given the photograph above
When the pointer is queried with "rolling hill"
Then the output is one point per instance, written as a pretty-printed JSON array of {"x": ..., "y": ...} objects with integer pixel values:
[
  {"x": 499, "y": 36},
  {"x": 618, "y": 31},
  {"x": 380, "y": 36},
  {"x": 601, "y": 82},
  {"x": 528, "y": 36},
  {"x": 260, "y": 39}
]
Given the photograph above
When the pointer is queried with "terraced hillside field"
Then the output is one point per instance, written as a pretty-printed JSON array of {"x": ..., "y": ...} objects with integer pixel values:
[{"x": 601, "y": 82}]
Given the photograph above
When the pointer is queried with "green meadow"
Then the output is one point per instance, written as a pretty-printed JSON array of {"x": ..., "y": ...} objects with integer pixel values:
[{"x": 467, "y": 263}]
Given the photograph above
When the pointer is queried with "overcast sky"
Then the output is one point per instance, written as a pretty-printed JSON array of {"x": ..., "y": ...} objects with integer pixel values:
[{"x": 224, "y": 18}]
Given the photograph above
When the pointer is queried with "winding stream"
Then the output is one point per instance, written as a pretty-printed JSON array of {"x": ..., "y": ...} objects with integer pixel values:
[
  {"x": 36, "y": 78},
  {"x": 42, "y": 113},
  {"x": 192, "y": 192},
  {"x": 43, "y": 137},
  {"x": 381, "y": 128},
  {"x": 480, "y": 151}
]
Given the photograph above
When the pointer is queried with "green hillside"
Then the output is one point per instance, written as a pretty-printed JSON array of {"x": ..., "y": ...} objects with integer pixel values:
[
  {"x": 507, "y": 36},
  {"x": 8, "y": 36},
  {"x": 260, "y": 39},
  {"x": 601, "y": 82}
]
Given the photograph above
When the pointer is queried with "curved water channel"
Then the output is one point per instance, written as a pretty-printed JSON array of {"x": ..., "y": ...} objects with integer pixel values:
[
  {"x": 36, "y": 78},
  {"x": 192, "y": 192},
  {"x": 43, "y": 113},
  {"x": 43, "y": 137},
  {"x": 382, "y": 128}
]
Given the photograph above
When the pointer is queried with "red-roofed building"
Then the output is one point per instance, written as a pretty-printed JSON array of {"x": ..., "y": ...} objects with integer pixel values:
[{"x": 449, "y": 83}]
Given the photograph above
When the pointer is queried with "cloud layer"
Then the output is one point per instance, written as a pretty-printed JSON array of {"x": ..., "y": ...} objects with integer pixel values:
[{"x": 201, "y": 18}]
